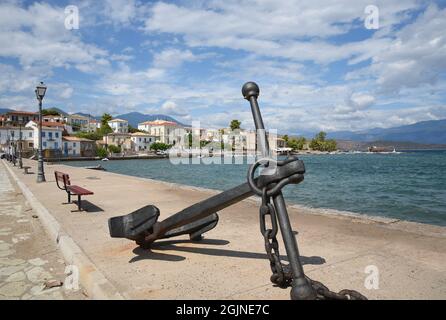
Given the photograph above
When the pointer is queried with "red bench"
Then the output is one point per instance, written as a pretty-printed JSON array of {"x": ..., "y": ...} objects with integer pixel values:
[{"x": 71, "y": 190}]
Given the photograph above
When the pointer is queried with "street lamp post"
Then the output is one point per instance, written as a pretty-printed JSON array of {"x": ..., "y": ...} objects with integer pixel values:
[
  {"x": 20, "y": 147},
  {"x": 13, "y": 148},
  {"x": 40, "y": 93}
]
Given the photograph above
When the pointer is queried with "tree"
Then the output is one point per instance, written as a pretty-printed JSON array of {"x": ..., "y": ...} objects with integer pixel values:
[
  {"x": 285, "y": 138},
  {"x": 105, "y": 128},
  {"x": 320, "y": 143},
  {"x": 106, "y": 118},
  {"x": 89, "y": 135},
  {"x": 133, "y": 129},
  {"x": 50, "y": 112},
  {"x": 159, "y": 146},
  {"x": 114, "y": 149},
  {"x": 235, "y": 124},
  {"x": 296, "y": 144},
  {"x": 101, "y": 152}
]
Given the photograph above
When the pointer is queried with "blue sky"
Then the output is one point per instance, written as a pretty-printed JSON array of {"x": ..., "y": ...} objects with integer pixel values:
[{"x": 317, "y": 64}]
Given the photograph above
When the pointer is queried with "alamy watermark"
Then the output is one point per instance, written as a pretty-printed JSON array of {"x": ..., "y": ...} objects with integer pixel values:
[
  {"x": 371, "y": 21},
  {"x": 71, "y": 17},
  {"x": 203, "y": 146},
  {"x": 371, "y": 282}
]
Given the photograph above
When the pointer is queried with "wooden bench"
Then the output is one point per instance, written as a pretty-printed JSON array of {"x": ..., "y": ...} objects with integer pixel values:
[
  {"x": 25, "y": 169},
  {"x": 71, "y": 190}
]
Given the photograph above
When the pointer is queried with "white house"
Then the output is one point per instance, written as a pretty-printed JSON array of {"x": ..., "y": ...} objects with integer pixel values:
[
  {"x": 10, "y": 136},
  {"x": 119, "y": 125},
  {"x": 141, "y": 141},
  {"x": 71, "y": 146},
  {"x": 165, "y": 131},
  {"x": 76, "y": 120},
  {"x": 51, "y": 135}
]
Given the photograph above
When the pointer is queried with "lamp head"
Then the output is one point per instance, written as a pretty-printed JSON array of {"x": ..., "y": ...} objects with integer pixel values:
[{"x": 40, "y": 91}]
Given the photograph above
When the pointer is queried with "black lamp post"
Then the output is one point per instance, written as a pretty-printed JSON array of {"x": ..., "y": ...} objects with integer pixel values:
[
  {"x": 40, "y": 93},
  {"x": 20, "y": 147}
]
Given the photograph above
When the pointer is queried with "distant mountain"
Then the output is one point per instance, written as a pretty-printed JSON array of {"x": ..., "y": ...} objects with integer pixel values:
[
  {"x": 88, "y": 115},
  {"x": 4, "y": 110},
  {"x": 347, "y": 145},
  {"x": 425, "y": 132},
  {"x": 136, "y": 117}
]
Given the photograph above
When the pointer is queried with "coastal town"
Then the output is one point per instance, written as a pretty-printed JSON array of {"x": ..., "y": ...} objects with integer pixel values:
[{"x": 74, "y": 136}]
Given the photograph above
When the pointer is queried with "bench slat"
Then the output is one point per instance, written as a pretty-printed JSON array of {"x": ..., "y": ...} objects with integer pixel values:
[{"x": 79, "y": 190}]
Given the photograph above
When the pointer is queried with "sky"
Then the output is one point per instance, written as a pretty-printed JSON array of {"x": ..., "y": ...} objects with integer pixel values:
[{"x": 320, "y": 65}]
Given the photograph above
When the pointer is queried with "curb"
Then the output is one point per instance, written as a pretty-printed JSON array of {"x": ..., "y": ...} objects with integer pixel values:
[{"x": 94, "y": 282}]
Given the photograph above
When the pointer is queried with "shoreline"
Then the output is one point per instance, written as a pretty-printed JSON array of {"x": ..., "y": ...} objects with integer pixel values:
[
  {"x": 331, "y": 212},
  {"x": 407, "y": 225}
]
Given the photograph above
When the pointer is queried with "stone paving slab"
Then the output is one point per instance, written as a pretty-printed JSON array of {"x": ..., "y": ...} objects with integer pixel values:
[
  {"x": 230, "y": 263},
  {"x": 28, "y": 259}
]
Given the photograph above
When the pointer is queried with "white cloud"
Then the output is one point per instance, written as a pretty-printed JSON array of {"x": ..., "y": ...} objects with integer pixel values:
[
  {"x": 37, "y": 35},
  {"x": 416, "y": 56},
  {"x": 290, "y": 29},
  {"x": 172, "y": 57}
]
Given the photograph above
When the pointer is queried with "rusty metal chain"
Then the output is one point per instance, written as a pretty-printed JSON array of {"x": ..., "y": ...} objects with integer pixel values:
[{"x": 282, "y": 275}]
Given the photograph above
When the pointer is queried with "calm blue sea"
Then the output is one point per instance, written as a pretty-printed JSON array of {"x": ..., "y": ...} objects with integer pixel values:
[{"x": 409, "y": 186}]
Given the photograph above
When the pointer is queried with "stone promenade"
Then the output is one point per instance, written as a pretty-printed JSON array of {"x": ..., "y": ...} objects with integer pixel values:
[{"x": 407, "y": 260}]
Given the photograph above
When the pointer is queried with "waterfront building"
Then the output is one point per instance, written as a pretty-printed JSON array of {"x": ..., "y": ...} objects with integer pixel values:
[
  {"x": 119, "y": 125},
  {"x": 78, "y": 147},
  {"x": 76, "y": 121},
  {"x": 51, "y": 135},
  {"x": 122, "y": 140},
  {"x": 168, "y": 132},
  {"x": 16, "y": 118},
  {"x": 53, "y": 118},
  {"x": 10, "y": 139},
  {"x": 141, "y": 141},
  {"x": 92, "y": 126}
]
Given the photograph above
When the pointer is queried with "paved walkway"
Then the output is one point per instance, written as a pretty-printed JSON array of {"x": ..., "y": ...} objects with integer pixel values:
[
  {"x": 29, "y": 263},
  {"x": 408, "y": 259}
]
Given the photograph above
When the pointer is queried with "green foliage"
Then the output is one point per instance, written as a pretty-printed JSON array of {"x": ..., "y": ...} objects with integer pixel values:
[
  {"x": 106, "y": 118},
  {"x": 286, "y": 138},
  {"x": 114, "y": 149},
  {"x": 159, "y": 146},
  {"x": 235, "y": 124},
  {"x": 89, "y": 135},
  {"x": 105, "y": 129},
  {"x": 133, "y": 129},
  {"x": 50, "y": 112},
  {"x": 296, "y": 144},
  {"x": 101, "y": 152},
  {"x": 320, "y": 143}
]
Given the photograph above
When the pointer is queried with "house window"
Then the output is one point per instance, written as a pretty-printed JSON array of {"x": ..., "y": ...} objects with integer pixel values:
[
  {"x": 43, "y": 134},
  {"x": 56, "y": 134},
  {"x": 50, "y": 135},
  {"x": 44, "y": 144},
  {"x": 30, "y": 134},
  {"x": 74, "y": 144},
  {"x": 56, "y": 145}
]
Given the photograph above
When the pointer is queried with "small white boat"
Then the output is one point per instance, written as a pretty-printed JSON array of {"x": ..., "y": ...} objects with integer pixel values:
[{"x": 104, "y": 159}]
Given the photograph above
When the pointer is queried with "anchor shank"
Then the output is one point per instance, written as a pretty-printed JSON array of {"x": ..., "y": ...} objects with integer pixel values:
[{"x": 203, "y": 209}]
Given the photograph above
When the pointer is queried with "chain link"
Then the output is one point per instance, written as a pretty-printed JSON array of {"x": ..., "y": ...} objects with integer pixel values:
[{"x": 282, "y": 275}]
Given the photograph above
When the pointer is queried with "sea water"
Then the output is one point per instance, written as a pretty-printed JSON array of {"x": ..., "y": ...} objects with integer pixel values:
[{"x": 409, "y": 185}]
